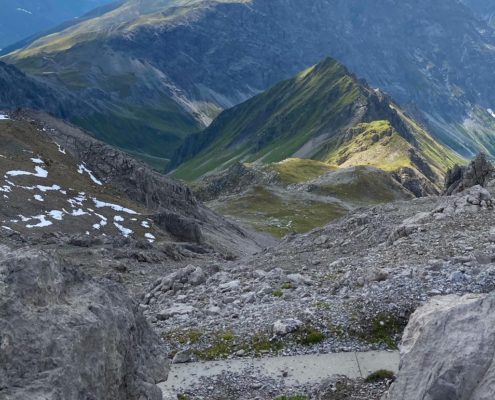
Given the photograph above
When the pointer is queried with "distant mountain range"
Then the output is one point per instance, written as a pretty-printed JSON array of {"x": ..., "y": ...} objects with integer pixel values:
[
  {"x": 20, "y": 19},
  {"x": 157, "y": 71}
]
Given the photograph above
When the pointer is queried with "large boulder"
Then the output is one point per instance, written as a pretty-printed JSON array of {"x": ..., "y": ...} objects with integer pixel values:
[
  {"x": 65, "y": 336},
  {"x": 448, "y": 350},
  {"x": 460, "y": 178}
]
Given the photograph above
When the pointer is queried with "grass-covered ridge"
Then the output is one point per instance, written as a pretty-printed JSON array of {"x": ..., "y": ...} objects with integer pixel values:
[
  {"x": 325, "y": 114},
  {"x": 274, "y": 125}
]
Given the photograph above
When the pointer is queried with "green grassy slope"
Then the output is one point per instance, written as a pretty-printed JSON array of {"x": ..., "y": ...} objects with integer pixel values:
[
  {"x": 275, "y": 124},
  {"x": 323, "y": 113},
  {"x": 321, "y": 194}
]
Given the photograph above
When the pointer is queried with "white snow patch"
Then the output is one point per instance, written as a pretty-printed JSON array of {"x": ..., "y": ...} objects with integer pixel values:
[
  {"x": 5, "y": 189},
  {"x": 115, "y": 207},
  {"x": 491, "y": 112},
  {"x": 118, "y": 218},
  {"x": 78, "y": 212},
  {"x": 77, "y": 201},
  {"x": 7, "y": 228},
  {"x": 38, "y": 197},
  {"x": 37, "y": 160},
  {"x": 151, "y": 238},
  {"x": 125, "y": 232},
  {"x": 145, "y": 224},
  {"x": 43, "y": 222},
  {"x": 40, "y": 172},
  {"x": 56, "y": 214},
  {"x": 103, "y": 220},
  {"x": 48, "y": 188},
  {"x": 82, "y": 169},
  {"x": 60, "y": 148},
  {"x": 3, "y": 117}
]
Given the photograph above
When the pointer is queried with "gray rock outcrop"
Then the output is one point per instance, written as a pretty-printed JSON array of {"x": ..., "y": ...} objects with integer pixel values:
[
  {"x": 65, "y": 336},
  {"x": 460, "y": 178},
  {"x": 447, "y": 351}
]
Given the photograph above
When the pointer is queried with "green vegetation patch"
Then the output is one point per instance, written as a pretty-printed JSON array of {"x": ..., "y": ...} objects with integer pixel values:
[
  {"x": 384, "y": 328},
  {"x": 380, "y": 375},
  {"x": 266, "y": 211},
  {"x": 225, "y": 343},
  {"x": 297, "y": 170},
  {"x": 309, "y": 336},
  {"x": 365, "y": 187},
  {"x": 374, "y": 144}
]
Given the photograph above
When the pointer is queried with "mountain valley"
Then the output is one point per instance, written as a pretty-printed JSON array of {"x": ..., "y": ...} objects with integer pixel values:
[{"x": 247, "y": 200}]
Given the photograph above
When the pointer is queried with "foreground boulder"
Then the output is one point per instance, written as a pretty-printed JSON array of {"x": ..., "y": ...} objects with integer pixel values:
[
  {"x": 64, "y": 336},
  {"x": 460, "y": 178},
  {"x": 448, "y": 350}
]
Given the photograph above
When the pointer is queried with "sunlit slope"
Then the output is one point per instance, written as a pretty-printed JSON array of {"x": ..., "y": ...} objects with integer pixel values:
[{"x": 324, "y": 113}]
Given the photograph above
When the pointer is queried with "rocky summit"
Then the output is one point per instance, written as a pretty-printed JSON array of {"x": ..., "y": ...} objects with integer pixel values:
[{"x": 247, "y": 200}]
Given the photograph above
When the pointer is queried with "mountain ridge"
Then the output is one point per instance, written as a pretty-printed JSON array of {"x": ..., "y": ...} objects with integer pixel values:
[{"x": 323, "y": 113}]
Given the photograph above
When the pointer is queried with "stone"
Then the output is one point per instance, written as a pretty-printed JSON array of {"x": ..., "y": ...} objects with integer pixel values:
[
  {"x": 286, "y": 326},
  {"x": 460, "y": 178},
  {"x": 183, "y": 357},
  {"x": 321, "y": 240},
  {"x": 230, "y": 286},
  {"x": 447, "y": 351},
  {"x": 65, "y": 335},
  {"x": 213, "y": 310},
  {"x": 197, "y": 277},
  {"x": 176, "y": 309},
  {"x": 298, "y": 279}
]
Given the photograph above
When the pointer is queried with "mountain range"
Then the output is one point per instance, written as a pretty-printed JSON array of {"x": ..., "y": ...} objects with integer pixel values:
[{"x": 166, "y": 69}]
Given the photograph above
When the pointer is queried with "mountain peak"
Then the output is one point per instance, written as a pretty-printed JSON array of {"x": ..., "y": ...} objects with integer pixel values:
[{"x": 323, "y": 113}]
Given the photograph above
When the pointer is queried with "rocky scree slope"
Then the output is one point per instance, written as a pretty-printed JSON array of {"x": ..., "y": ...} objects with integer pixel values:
[
  {"x": 349, "y": 286},
  {"x": 65, "y": 335},
  {"x": 167, "y": 68},
  {"x": 56, "y": 178}
]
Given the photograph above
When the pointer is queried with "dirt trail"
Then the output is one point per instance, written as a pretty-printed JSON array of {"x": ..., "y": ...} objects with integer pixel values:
[{"x": 300, "y": 369}]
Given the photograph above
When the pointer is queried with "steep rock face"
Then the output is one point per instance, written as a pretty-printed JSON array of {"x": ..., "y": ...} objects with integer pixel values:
[
  {"x": 478, "y": 172},
  {"x": 66, "y": 336},
  {"x": 447, "y": 351}
]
